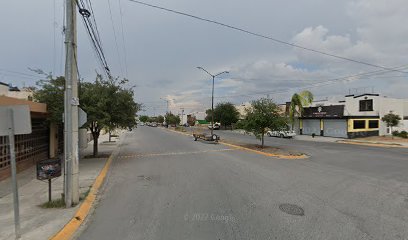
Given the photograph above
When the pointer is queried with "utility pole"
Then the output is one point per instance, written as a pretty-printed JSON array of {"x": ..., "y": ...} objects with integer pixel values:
[{"x": 71, "y": 102}]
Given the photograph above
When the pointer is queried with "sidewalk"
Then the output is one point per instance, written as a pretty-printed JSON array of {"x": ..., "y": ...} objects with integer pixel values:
[{"x": 37, "y": 222}]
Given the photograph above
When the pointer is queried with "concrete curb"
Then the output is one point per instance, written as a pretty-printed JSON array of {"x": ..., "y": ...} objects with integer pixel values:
[
  {"x": 373, "y": 144},
  {"x": 275, "y": 155},
  {"x": 69, "y": 230}
]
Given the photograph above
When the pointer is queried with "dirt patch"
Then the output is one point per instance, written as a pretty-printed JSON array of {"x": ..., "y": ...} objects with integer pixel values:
[{"x": 267, "y": 149}]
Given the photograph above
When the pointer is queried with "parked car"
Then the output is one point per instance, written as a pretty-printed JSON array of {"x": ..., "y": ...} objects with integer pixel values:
[
  {"x": 153, "y": 124},
  {"x": 141, "y": 124},
  {"x": 216, "y": 126},
  {"x": 282, "y": 133}
]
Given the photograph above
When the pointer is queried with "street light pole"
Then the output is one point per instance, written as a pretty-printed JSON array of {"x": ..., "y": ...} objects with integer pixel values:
[{"x": 212, "y": 95}]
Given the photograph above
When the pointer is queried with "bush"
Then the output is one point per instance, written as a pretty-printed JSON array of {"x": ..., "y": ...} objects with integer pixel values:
[
  {"x": 239, "y": 125},
  {"x": 402, "y": 134}
]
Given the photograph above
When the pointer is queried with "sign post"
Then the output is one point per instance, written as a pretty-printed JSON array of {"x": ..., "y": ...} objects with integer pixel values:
[
  {"x": 16, "y": 121},
  {"x": 14, "y": 174},
  {"x": 47, "y": 170}
]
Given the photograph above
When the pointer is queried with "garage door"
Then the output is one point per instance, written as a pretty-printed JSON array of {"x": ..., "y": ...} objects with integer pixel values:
[
  {"x": 335, "y": 128},
  {"x": 311, "y": 126}
]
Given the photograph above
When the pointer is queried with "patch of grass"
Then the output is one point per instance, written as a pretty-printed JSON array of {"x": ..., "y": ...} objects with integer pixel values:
[
  {"x": 57, "y": 203},
  {"x": 84, "y": 195},
  {"x": 180, "y": 129}
]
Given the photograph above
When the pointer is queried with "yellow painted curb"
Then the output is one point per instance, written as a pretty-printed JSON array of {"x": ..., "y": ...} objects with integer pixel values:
[
  {"x": 72, "y": 226},
  {"x": 303, "y": 156}
]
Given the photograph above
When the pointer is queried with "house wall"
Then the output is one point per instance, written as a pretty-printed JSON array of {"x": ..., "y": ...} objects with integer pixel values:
[
  {"x": 397, "y": 106},
  {"x": 352, "y": 106}
]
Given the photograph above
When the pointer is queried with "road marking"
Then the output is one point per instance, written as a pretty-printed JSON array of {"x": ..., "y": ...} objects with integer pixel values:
[
  {"x": 275, "y": 155},
  {"x": 174, "y": 153}
]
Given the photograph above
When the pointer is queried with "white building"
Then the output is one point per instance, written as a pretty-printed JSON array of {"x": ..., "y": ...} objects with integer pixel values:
[
  {"x": 14, "y": 92},
  {"x": 355, "y": 116}
]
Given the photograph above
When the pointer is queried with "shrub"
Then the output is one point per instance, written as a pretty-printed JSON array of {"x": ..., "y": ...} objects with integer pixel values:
[
  {"x": 239, "y": 125},
  {"x": 403, "y": 134},
  {"x": 395, "y": 133}
]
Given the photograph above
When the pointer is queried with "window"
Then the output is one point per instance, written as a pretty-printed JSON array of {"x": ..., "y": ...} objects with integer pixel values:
[
  {"x": 373, "y": 124},
  {"x": 359, "y": 124},
  {"x": 366, "y": 105}
]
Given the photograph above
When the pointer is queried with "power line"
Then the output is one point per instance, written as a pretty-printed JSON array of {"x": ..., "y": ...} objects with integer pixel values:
[
  {"x": 264, "y": 36},
  {"x": 116, "y": 40},
  {"x": 123, "y": 37},
  {"x": 93, "y": 34},
  {"x": 312, "y": 85}
]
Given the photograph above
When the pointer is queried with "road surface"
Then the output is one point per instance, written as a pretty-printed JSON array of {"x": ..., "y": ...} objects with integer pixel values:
[{"x": 164, "y": 185}]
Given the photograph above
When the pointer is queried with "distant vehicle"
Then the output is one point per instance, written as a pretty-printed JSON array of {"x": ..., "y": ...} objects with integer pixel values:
[
  {"x": 141, "y": 124},
  {"x": 216, "y": 126},
  {"x": 186, "y": 125},
  {"x": 281, "y": 133},
  {"x": 153, "y": 124}
]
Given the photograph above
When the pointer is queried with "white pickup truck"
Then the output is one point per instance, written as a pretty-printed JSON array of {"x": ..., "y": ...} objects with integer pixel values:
[{"x": 281, "y": 133}]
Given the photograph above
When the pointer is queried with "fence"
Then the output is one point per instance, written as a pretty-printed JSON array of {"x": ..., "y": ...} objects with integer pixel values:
[{"x": 30, "y": 148}]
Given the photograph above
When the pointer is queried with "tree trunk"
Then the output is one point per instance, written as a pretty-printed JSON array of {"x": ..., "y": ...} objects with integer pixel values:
[
  {"x": 95, "y": 146},
  {"x": 262, "y": 137},
  {"x": 109, "y": 135}
]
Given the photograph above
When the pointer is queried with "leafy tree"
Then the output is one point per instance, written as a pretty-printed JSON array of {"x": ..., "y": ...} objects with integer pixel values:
[
  {"x": 51, "y": 92},
  {"x": 160, "y": 119},
  {"x": 208, "y": 117},
  {"x": 144, "y": 118},
  {"x": 263, "y": 114},
  {"x": 391, "y": 119},
  {"x": 108, "y": 105},
  {"x": 297, "y": 103},
  {"x": 172, "y": 119},
  {"x": 226, "y": 114}
]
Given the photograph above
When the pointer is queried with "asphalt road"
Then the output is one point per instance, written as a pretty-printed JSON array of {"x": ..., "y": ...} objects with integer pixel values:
[{"x": 163, "y": 185}]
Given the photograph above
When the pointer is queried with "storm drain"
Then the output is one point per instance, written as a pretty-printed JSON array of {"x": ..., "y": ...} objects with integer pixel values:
[{"x": 292, "y": 209}]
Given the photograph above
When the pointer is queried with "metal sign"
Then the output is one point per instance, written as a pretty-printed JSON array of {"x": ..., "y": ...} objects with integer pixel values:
[
  {"x": 335, "y": 111},
  {"x": 21, "y": 116},
  {"x": 82, "y": 117},
  {"x": 48, "y": 169}
]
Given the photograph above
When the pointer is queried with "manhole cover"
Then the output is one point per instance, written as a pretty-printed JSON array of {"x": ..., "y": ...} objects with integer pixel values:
[{"x": 292, "y": 209}]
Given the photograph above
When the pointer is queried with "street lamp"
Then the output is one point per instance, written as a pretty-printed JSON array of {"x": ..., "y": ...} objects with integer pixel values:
[
  {"x": 167, "y": 102},
  {"x": 212, "y": 96}
]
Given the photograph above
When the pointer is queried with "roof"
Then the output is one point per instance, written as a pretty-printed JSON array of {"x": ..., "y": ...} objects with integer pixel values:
[{"x": 34, "y": 106}]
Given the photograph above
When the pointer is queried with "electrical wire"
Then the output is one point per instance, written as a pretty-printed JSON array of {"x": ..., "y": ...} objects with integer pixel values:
[
  {"x": 264, "y": 36},
  {"x": 116, "y": 40},
  {"x": 123, "y": 38},
  {"x": 93, "y": 34}
]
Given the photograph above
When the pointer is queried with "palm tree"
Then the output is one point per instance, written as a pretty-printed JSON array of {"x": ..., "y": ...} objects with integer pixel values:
[{"x": 297, "y": 103}]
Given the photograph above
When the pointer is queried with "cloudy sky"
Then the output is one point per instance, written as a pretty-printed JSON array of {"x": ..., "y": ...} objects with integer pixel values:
[{"x": 159, "y": 51}]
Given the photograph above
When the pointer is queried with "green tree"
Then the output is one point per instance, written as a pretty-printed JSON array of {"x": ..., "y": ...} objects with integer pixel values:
[
  {"x": 208, "y": 116},
  {"x": 172, "y": 119},
  {"x": 160, "y": 119},
  {"x": 391, "y": 119},
  {"x": 297, "y": 103},
  {"x": 226, "y": 114},
  {"x": 262, "y": 115},
  {"x": 51, "y": 92},
  {"x": 109, "y": 105},
  {"x": 144, "y": 118}
]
